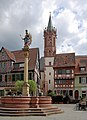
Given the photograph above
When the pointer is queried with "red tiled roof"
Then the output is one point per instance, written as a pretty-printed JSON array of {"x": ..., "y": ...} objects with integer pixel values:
[
  {"x": 80, "y": 61},
  {"x": 64, "y": 60},
  {"x": 19, "y": 56}
]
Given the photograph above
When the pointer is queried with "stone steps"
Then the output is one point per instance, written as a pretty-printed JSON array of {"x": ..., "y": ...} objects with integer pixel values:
[{"x": 29, "y": 111}]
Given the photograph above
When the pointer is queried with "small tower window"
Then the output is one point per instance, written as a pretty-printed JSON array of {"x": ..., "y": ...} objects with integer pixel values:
[
  {"x": 49, "y": 73},
  {"x": 49, "y": 63},
  {"x": 49, "y": 81},
  {"x": 49, "y": 52}
]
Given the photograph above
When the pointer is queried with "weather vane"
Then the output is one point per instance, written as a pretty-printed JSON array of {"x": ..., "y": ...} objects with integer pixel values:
[{"x": 27, "y": 39}]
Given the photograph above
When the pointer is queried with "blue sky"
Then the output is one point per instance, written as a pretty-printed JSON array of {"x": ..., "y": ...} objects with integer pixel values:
[{"x": 68, "y": 16}]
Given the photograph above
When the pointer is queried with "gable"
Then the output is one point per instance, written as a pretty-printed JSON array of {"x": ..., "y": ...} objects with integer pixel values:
[
  {"x": 3, "y": 55},
  {"x": 6, "y": 55},
  {"x": 33, "y": 57}
]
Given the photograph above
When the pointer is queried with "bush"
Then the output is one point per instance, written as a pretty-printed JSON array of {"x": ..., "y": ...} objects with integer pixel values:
[
  {"x": 57, "y": 99},
  {"x": 50, "y": 93},
  {"x": 66, "y": 99}
]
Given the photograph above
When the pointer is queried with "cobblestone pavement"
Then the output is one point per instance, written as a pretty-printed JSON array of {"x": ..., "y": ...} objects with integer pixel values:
[{"x": 69, "y": 114}]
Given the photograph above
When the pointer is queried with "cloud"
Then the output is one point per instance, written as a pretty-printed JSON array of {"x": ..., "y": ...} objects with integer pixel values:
[
  {"x": 72, "y": 27},
  {"x": 69, "y": 17}
]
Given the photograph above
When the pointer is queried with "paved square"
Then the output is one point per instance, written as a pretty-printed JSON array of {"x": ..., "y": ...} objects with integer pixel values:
[{"x": 69, "y": 114}]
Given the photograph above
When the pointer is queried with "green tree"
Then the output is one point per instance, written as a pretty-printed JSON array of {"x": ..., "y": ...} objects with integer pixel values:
[
  {"x": 32, "y": 87},
  {"x": 19, "y": 85}
]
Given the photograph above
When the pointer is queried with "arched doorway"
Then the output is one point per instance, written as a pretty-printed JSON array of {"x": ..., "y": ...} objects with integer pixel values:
[{"x": 76, "y": 94}]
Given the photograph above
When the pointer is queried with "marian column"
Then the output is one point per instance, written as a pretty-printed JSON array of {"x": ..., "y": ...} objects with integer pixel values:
[{"x": 27, "y": 41}]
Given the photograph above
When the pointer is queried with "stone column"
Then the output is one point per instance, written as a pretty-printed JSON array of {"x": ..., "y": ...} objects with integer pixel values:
[
  {"x": 26, "y": 85},
  {"x": 27, "y": 41}
]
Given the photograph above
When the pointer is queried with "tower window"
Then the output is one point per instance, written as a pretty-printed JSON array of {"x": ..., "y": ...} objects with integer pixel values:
[
  {"x": 49, "y": 52},
  {"x": 49, "y": 73},
  {"x": 49, "y": 63},
  {"x": 49, "y": 81}
]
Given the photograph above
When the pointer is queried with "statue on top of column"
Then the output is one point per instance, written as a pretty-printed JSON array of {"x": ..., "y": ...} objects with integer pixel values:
[{"x": 27, "y": 39}]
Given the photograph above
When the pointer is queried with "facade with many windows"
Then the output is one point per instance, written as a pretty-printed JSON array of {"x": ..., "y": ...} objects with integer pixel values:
[
  {"x": 64, "y": 67},
  {"x": 12, "y": 68},
  {"x": 81, "y": 76}
]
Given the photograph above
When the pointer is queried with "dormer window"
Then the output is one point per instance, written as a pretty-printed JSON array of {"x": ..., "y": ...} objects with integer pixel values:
[
  {"x": 2, "y": 53},
  {"x": 21, "y": 65},
  {"x": 16, "y": 65},
  {"x": 82, "y": 69}
]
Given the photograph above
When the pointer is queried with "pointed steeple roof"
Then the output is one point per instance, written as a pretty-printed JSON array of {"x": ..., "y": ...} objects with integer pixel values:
[{"x": 50, "y": 27}]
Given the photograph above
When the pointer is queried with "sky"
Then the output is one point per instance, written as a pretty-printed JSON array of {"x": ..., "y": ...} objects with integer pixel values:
[{"x": 68, "y": 16}]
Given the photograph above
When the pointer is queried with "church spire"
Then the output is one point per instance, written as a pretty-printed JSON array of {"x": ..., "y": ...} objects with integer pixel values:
[{"x": 50, "y": 27}]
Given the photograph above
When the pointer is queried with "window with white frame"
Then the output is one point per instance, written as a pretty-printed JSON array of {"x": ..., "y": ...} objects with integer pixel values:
[
  {"x": 68, "y": 71},
  {"x": 83, "y": 93},
  {"x": 82, "y": 69},
  {"x": 21, "y": 64},
  {"x": 83, "y": 80}
]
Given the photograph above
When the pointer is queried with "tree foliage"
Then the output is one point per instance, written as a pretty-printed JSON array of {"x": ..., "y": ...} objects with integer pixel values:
[
  {"x": 19, "y": 85},
  {"x": 32, "y": 87}
]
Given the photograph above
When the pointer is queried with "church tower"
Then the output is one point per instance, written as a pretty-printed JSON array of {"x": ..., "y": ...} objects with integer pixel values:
[
  {"x": 49, "y": 40},
  {"x": 49, "y": 54}
]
